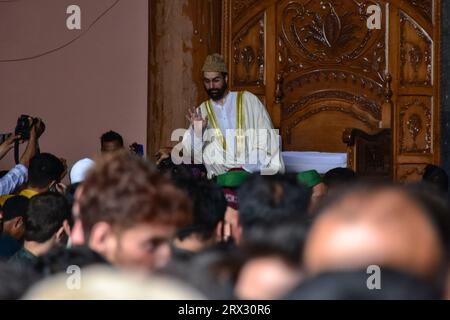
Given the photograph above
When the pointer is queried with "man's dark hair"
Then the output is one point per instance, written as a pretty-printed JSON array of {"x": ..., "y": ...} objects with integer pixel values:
[
  {"x": 339, "y": 176},
  {"x": 44, "y": 168},
  {"x": 284, "y": 240},
  {"x": 216, "y": 270},
  {"x": 352, "y": 285},
  {"x": 16, "y": 280},
  {"x": 14, "y": 207},
  {"x": 111, "y": 136},
  {"x": 186, "y": 171},
  {"x": 436, "y": 206},
  {"x": 46, "y": 214},
  {"x": 209, "y": 206},
  {"x": 70, "y": 197},
  {"x": 269, "y": 200},
  {"x": 124, "y": 190},
  {"x": 174, "y": 171},
  {"x": 437, "y": 177},
  {"x": 60, "y": 258}
]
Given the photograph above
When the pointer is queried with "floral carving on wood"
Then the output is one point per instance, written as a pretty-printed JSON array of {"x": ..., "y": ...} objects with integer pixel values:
[
  {"x": 425, "y": 7},
  {"x": 249, "y": 53},
  {"x": 332, "y": 33},
  {"x": 416, "y": 50},
  {"x": 414, "y": 125}
]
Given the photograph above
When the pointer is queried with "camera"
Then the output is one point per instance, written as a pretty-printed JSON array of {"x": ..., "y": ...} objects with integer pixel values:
[
  {"x": 23, "y": 127},
  {"x": 137, "y": 149}
]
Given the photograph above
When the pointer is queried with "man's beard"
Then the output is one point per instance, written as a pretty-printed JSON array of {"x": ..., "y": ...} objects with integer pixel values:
[{"x": 217, "y": 94}]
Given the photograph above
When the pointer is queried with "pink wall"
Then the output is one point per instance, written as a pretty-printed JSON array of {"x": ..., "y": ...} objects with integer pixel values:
[{"x": 96, "y": 83}]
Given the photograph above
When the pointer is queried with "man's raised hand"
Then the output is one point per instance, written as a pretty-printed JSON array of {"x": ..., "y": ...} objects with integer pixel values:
[{"x": 194, "y": 117}]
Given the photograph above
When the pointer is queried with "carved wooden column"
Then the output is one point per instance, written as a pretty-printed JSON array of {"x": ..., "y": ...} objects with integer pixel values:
[
  {"x": 415, "y": 51},
  {"x": 181, "y": 34}
]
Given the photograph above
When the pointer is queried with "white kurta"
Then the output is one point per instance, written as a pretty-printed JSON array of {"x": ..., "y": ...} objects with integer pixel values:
[{"x": 262, "y": 151}]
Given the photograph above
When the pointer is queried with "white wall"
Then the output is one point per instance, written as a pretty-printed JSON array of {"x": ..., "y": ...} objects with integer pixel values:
[{"x": 96, "y": 83}]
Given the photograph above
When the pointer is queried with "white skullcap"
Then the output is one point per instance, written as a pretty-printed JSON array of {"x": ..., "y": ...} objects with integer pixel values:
[{"x": 79, "y": 170}]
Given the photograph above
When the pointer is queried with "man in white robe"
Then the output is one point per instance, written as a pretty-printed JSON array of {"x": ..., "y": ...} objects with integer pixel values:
[{"x": 231, "y": 130}]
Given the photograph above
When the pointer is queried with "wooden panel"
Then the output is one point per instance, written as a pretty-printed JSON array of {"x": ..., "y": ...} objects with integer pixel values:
[
  {"x": 248, "y": 54},
  {"x": 249, "y": 30},
  {"x": 410, "y": 172},
  {"x": 240, "y": 7},
  {"x": 333, "y": 73},
  {"x": 332, "y": 85},
  {"x": 320, "y": 127},
  {"x": 181, "y": 35},
  {"x": 424, "y": 8},
  {"x": 324, "y": 71},
  {"x": 374, "y": 153},
  {"x": 415, "y": 63},
  {"x": 416, "y": 49},
  {"x": 329, "y": 33},
  {"x": 415, "y": 125}
]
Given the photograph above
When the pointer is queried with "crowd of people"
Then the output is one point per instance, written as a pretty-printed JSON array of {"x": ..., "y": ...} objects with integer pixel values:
[{"x": 133, "y": 228}]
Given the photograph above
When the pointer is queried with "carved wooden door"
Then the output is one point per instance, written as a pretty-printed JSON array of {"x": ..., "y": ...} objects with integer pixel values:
[{"x": 320, "y": 70}]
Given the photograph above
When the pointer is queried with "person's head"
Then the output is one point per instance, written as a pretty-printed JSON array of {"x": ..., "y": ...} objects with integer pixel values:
[
  {"x": 211, "y": 271},
  {"x": 270, "y": 200},
  {"x": 129, "y": 212},
  {"x": 107, "y": 283},
  {"x": 70, "y": 197},
  {"x": 353, "y": 285},
  {"x": 312, "y": 180},
  {"x": 46, "y": 216},
  {"x": 111, "y": 141},
  {"x": 16, "y": 279},
  {"x": 59, "y": 259},
  {"x": 436, "y": 206},
  {"x": 374, "y": 225},
  {"x": 14, "y": 216},
  {"x": 209, "y": 206},
  {"x": 215, "y": 76},
  {"x": 339, "y": 177},
  {"x": 437, "y": 177},
  {"x": 285, "y": 240},
  {"x": 80, "y": 169},
  {"x": 45, "y": 171},
  {"x": 272, "y": 261},
  {"x": 266, "y": 278},
  {"x": 174, "y": 171}
]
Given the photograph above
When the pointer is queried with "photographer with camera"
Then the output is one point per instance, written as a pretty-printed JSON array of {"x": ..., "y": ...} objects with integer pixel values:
[{"x": 31, "y": 131}]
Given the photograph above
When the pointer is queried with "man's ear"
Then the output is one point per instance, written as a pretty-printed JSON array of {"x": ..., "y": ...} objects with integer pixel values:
[
  {"x": 77, "y": 234},
  {"x": 60, "y": 234},
  {"x": 66, "y": 227},
  {"x": 18, "y": 222},
  {"x": 101, "y": 239}
]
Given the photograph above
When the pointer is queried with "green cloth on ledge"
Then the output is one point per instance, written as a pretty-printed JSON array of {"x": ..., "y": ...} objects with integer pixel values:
[
  {"x": 232, "y": 179},
  {"x": 309, "y": 178}
]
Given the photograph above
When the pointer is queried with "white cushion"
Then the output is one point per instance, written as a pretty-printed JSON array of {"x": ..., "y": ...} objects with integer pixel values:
[{"x": 298, "y": 161}]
